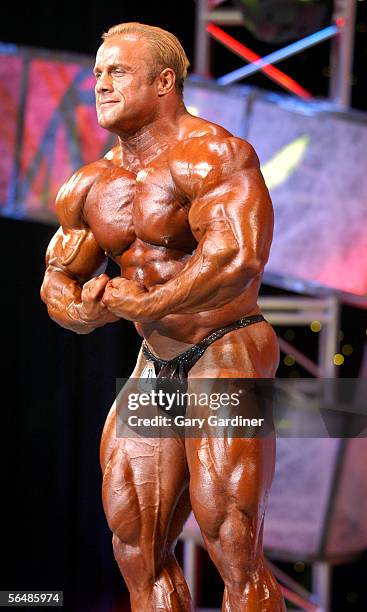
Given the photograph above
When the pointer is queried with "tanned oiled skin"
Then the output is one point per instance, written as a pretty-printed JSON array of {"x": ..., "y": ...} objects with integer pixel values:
[
  {"x": 181, "y": 206},
  {"x": 162, "y": 225}
]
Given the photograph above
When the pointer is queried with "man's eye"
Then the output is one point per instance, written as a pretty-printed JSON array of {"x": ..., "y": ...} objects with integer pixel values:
[
  {"x": 118, "y": 71},
  {"x": 97, "y": 75}
]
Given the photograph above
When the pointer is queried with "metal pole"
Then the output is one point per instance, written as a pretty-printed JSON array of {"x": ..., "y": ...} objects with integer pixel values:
[
  {"x": 321, "y": 579},
  {"x": 341, "y": 58},
  {"x": 328, "y": 340},
  {"x": 190, "y": 568},
  {"x": 202, "y": 40}
]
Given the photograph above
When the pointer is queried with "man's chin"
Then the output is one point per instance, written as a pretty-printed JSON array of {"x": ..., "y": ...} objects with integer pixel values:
[
  {"x": 106, "y": 116},
  {"x": 106, "y": 123}
]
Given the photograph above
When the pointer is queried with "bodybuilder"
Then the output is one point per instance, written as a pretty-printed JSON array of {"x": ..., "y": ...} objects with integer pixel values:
[{"x": 181, "y": 206}]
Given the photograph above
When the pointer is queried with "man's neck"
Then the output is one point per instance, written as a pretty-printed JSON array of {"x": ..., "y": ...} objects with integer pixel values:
[{"x": 140, "y": 147}]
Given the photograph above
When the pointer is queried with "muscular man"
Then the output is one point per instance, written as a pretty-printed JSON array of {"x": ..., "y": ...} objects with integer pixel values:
[{"x": 181, "y": 206}]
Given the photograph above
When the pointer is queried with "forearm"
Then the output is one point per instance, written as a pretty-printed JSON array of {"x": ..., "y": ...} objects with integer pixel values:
[
  {"x": 208, "y": 281},
  {"x": 62, "y": 294}
]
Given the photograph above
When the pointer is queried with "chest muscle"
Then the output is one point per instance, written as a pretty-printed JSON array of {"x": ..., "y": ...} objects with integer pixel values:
[{"x": 122, "y": 206}]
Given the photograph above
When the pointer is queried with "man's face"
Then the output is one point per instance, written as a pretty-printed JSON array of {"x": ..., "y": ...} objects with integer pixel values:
[{"x": 126, "y": 99}]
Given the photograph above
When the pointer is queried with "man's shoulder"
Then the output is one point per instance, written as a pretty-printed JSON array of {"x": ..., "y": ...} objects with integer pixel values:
[
  {"x": 71, "y": 196},
  {"x": 202, "y": 138},
  {"x": 84, "y": 177},
  {"x": 192, "y": 126},
  {"x": 208, "y": 151}
]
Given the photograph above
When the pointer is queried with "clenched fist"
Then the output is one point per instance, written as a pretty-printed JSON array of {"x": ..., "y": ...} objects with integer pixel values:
[
  {"x": 90, "y": 309},
  {"x": 126, "y": 299}
]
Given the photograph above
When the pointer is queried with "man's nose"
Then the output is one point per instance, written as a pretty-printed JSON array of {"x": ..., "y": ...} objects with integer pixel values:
[{"x": 104, "y": 83}]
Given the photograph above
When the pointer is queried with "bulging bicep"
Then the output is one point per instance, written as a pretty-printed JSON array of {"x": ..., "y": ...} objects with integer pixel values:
[
  {"x": 76, "y": 253},
  {"x": 74, "y": 249}
]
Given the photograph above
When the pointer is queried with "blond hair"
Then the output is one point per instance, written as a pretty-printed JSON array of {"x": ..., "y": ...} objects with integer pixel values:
[{"x": 167, "y": 50}]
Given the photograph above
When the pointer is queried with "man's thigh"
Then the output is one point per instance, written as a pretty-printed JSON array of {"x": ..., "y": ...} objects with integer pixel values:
[
  {"x": 145, "y": 477},
  {"x": 144, "y": 484}
]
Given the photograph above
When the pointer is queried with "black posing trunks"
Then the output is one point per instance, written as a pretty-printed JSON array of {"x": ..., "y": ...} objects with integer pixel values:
[
  {"x": 172, "y": 374},
  {"x": 179, "y": 366}
]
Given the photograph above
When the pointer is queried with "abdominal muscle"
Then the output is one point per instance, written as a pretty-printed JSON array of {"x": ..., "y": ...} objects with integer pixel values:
[
  {"x": 149, "y": 265},
  {"x": 188, "y": 329}
]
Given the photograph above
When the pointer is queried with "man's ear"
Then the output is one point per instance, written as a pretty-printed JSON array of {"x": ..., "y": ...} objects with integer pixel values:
[{"x": 166, "y": 81}]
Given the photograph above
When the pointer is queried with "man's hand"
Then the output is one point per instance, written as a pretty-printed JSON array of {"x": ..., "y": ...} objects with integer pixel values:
[
  {"x": 90, "y": 309},
  {"x": 126, "y": 299}
]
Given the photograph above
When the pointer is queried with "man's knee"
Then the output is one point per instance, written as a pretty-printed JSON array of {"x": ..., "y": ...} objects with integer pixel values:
[
  {"x": 233, "y": 540},
  {"x": 238, "y": 529},
  {"x": 139, "y": 566}
]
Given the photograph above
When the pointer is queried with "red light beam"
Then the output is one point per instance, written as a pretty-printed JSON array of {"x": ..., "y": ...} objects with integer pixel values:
[{"x": 273, "y": 73}]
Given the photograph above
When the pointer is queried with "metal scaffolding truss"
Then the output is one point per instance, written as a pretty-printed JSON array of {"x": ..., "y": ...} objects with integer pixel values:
[
  {"x": 209, "y": 17},
  {"x": 302, "y": 311}
]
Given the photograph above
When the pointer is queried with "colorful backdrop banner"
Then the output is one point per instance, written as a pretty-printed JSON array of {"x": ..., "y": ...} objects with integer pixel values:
[{"x": 48, "y": 127}]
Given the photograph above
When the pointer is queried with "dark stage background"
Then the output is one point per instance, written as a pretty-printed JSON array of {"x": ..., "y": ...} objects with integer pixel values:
[{"x": 57, "y": 386}]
